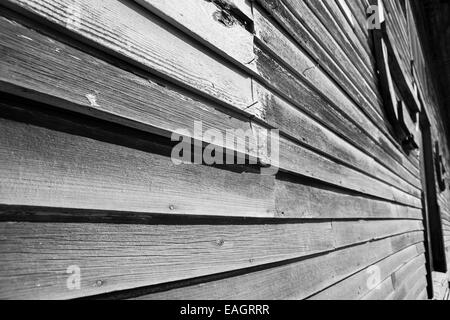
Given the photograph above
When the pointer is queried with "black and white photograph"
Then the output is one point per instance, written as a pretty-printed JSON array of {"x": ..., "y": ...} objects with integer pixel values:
[{"x": 225, "y": 155}]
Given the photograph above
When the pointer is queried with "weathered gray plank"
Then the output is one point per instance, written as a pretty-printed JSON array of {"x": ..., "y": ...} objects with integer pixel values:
[
  {"x": 423, "y": 295},
  {"x": 47, "y": 168},
  {"x": 118, "y": 257},
  {"x": 125, "y": 30},
  {"x": 206, "y": 22},
  {"x": 139, "y": 101},
  {"x": 420, "y": 283},
  {"x": 351, "y": 25},
  {"x": 295, "y": 158},
  {"x": 157, "y": 184},
  {"x": 334, "y": 54},
  {"x": 346, "y": 233},
  {"x": 336, "y": 37},
  {"x": 304, "y": 38},
  {"x": 401, "y": 279},
  {"x": 296, "y": 200},
  {"x": 361, "y": 132},
  {"x": 281, "y": 114},
  {"x": 297, "y": 280},
  {"x": 360, "y": 284},
  {"x": 381, "y": 292},
  {"x": 35, "y": 256},
  {"x": 139, "y": 117}
]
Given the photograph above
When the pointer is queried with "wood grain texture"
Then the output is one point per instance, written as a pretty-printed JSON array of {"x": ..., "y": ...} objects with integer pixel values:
[
  {"x": 338, "y": 38},
  {"x": 400, "y": 73},
  {"x": 347, "y": 233},
  {"x": 317, "y": 20},
  {"x": 296, "y": 89},
  {"x": 361, "y": 132},
  {"x": 281, "y": 114},
  {"x": 360, "y": 16},
  {"x": 358, "y": 285},
  {"x": 111, "y": 106},
  {"x": 297, "y": 159},
  {"x": 207, "y": 23},
  {"x": 296, "y": 200},
  {"x": 59, "y": 179},
  {"x": 42, "y": 68},
  {"x": 405, "y": 277},
  {"x": 297, "y": 280},
  {"x": 348, "y": 22},
  {"x": 35, "y": 256},
  {"x": 295, "y": 28},
  {"x": 346, "y": 198},
  {"x": 423, "y": 295},
  {"x": 420, "y": 283},
  {"x": 47, "y": 168},
  {"x": 124, "y": 30},
  {"x": 299, "y": 20}
]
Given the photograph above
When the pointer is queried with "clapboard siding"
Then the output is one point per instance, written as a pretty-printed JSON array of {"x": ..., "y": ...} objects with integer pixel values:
[
  {"x": 107, "y": 253},
  {"x": 154, "y": 183},
  {"x": 359, "y": 60},
  {"x": 361, "y": 284},
  {"x": 352, "y": 28},
  {"x": 348, "y": 120},
  {"x": 297, "y": 280},
  {"x": 127, "y": 31},
  {"x": 349, "y": 29},
  {"x": 143, "y": 255},
  {"x": 409, "y": 291},
  {"x": 308, "y": 16},
  {"x": 230, "y": 38},
  {"x": 290, "y": 153},
  {"x": 128, "y": 256},
  {"x": 91, "y": 93},
  {"x": 304, "y": 38}
]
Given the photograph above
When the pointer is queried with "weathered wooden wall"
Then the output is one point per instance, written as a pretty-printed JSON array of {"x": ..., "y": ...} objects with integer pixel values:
[{"x": 91, "y": 92}]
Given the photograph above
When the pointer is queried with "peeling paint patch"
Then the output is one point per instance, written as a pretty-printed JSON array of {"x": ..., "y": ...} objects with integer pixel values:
[
  {"x": 225, "y": 18},
  {"x": 92, "y": 98}
]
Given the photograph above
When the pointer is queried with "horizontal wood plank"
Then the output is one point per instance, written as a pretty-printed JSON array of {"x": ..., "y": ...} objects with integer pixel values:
[
  {"x": 118, "y": 257},
  {"x": 290, "y": 156},
  {"x": 280, "y": 114},
  {"x": 297, "y": 280},
  {"x": 420, "y": 283},
  {"x": 124, "y": 30},
  {"x": 361, "y": 132},
  {"x": 109, "y": 172},
  {"x": 300, "y": 21},
  {"x": 306, "y": 40},
  {"x": 47, "y": 168},
  {"x": 403, "y": 278},
  {"x": 35, "y": 256},
  {"x": 360, "y": 284},
  {"x": 206, "y": 22}
]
